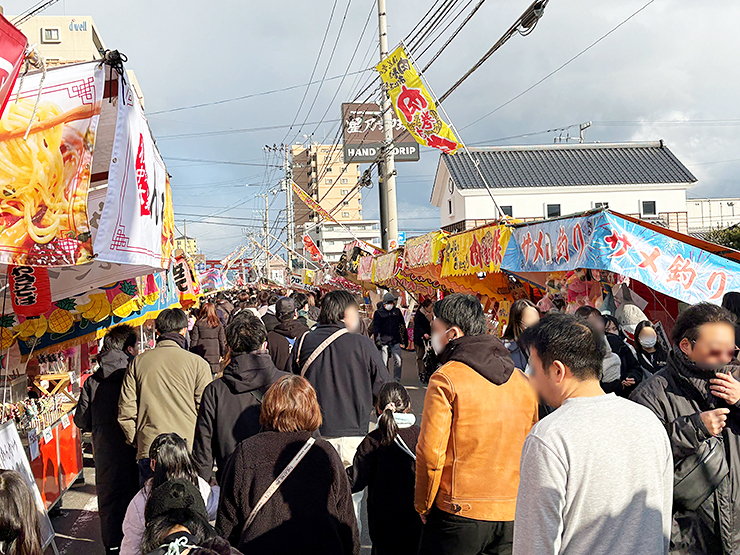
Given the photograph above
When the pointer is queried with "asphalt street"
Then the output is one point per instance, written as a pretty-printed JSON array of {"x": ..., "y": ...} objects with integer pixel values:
[{"x": 76, "y": 520}]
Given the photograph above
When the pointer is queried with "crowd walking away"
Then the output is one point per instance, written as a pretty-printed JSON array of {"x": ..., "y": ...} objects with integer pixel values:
[{"x": 272, "y": 423}]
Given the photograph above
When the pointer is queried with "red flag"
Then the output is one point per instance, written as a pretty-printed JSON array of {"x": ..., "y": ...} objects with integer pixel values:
[
  {"x": 12, "y": 52},
  {"x": 312, "y": 249},
  {"x": 30, "y": 290}
]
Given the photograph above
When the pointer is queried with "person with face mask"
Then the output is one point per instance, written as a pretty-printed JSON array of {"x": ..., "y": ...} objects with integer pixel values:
[
  {"x": 346, "y": 371},
  {"x": 478, "y": 409},
  {"x": 596, "y": 474},
  {"x": 697, "y": 398},
  {"x": 389, "y": 331},
  {"x": 650, "y": 354}
]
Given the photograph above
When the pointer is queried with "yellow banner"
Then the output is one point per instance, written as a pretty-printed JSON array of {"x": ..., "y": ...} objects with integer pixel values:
[
  {"x": 479, "y": 250},
  {"x": 413, "y": 103}
]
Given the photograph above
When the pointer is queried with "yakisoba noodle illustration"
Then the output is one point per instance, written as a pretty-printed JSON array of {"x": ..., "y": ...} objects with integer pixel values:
[{"x": 43, "y": 185}]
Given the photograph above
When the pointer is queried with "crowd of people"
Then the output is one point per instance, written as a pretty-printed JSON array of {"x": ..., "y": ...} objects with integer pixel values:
[{"x": 260, "y": 421}]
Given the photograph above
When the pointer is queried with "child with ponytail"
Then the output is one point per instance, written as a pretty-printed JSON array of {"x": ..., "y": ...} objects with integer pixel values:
[{"x": 385, "y": 463}]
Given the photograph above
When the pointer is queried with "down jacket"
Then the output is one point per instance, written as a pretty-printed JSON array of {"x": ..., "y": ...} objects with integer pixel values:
[
  {"x": 677, "y": 394},
  {"x": 209, "y": 342}
]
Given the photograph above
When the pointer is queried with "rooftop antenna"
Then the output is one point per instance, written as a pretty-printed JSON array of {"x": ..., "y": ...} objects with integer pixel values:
[{"x": 582, "y": 131}]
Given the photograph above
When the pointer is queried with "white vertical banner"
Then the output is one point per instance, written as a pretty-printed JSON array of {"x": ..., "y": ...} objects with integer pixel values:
[{"x": 130, "y": 230}]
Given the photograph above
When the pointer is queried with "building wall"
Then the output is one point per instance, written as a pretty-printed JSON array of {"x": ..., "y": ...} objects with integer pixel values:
[
  {"x": 78, "y": 38},
  {"x": 709, "y": 213},
  {"x": 331, "y": 239},
  {"x": 192, "y": 245}
]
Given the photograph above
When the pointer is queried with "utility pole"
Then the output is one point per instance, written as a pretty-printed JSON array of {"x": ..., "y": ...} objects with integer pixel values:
[
  {"x": 266, "y": 234},
  {"x": 289, "y": 207},
  {"x": 387, "y": 187}
]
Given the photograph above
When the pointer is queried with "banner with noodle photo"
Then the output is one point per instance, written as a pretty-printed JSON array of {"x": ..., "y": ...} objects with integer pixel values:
[{"x": 46, "y": 147}]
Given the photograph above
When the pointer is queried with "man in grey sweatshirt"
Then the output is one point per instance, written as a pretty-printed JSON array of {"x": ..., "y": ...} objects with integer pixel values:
[{"x": 597, "y": 474}]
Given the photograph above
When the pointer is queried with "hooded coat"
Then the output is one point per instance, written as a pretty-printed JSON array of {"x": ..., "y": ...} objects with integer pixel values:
[
  {"x": 116, "y": 471},
  {"x": 389, "y": 326},
  {"x": 494, "y": 408},
  {"x": 280, "y": 342},
  {"x": 677, "y": 394},
  {"x": 230, "y": 410}
]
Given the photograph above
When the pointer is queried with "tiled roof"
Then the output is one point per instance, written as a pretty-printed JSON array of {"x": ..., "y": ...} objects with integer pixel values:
[{"x": 562, "y": 165}]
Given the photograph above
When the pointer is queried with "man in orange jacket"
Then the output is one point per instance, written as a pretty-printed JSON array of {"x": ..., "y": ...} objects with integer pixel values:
[{"x": 478, "y": 410}]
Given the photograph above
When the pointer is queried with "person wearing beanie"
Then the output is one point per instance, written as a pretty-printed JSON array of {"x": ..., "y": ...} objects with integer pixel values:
[
  {"x": 389, "y": 330},
  {"x": 177, "y": 522},
  {"x": 288, "y": 330}
]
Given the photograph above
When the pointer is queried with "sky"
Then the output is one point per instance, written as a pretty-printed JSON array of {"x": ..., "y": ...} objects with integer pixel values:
[{"x": 669, "y": 72}]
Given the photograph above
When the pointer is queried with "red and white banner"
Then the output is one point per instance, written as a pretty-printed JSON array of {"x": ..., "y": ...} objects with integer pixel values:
[
  {"x": 136, "y": 204},
  {"x": 30, "y": 290},
  {"x": 12, "y": 52},
  {"x": 310, "y": 247}
]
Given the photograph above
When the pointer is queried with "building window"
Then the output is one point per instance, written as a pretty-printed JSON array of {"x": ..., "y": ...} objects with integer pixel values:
[
  {"x": 344, "y": 181},
  {"x": 329, "y": 181},
  {"x": 601, "y": 205},
  {"x": 328, "y": 169},
  {"x": 648, "y": 208},
  {"x": 449, "y": 206},
  {"x": 553, "y": 210},
  {"x": 50, "y": 34},
  {"x": 345, "y": 203},
  {"x": 345, "y": 214},
  {"x": 508, "y": 211},
  {"x": 344, "y": 192}
]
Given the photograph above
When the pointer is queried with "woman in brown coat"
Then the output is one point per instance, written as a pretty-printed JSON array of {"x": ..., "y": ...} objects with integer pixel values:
[{"x": 207, "y": 337}]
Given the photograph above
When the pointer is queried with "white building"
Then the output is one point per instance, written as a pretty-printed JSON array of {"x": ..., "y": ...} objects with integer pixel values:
[
  {"x": 538, "y": 182},
  {"x": 331, "y": 238},
  {"x": 711, "y": 213}
]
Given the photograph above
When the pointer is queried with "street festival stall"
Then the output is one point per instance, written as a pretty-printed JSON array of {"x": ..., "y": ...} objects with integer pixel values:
[
  {"x": 600, "y": 258},
  {"x": 87, "y": 236}
]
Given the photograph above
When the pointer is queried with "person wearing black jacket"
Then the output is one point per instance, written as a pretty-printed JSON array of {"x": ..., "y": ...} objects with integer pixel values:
[
  {"x": 116, "y": 471},
  {"x": 389, "y": 331},
  {"x": 230, "y": 406},
  {"x": 697, "y": 397},
  {"x": 631, "y": 371},
  {"x": 280, "y": 341},
  {"x": 346, "y": 374},
  {"x": 422, "y": 332}
]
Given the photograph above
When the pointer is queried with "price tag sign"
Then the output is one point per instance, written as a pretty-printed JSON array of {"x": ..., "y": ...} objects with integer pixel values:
[
  {"x": 33, "y": 445},
  {"x": 65, "y": 422},
  {"x": 72, "y": 378},
  {"x": 48, "y": 435}
]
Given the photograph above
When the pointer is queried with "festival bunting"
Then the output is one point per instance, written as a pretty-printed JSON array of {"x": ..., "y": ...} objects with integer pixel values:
[
  {"x": 479, "y": 250},
  {"x": 310, "y": 247},
  {"x": 413, "y": 103}
]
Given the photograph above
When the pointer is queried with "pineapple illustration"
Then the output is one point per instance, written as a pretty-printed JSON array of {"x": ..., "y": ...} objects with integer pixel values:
[
  {"x": 61, "y": 320},
  {"x": 123, "y": 303},
  {"x": 6, "y": 335}
]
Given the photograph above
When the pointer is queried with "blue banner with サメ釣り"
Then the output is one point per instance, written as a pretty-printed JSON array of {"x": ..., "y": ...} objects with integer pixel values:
[{"x": 604, "y": 241}]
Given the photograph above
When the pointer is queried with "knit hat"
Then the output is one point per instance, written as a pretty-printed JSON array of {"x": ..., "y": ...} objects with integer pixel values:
[
  {"x": 389, "y": 298},
  {"x": 174, "y": 495},
  {"x": 285, "y": 305}
]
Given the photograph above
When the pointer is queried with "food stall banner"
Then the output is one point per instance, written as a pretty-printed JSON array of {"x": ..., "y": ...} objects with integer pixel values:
[
  {"x": 30, "y": 290},
  {"x": 137, "y": 217},
  {"x": 475, "y": 251},
  {"x": 12, "y": 53},
  {"x": 71, "y": 321},
  {"x": 45, "y": 177},
  {"x": 387, "y": 266},
  {"x": 365, "y": 267},
  {"x": 414, "y": 104},
  {"x": 605, "y": 241},
  {"x": 185, "y": 281},
  {"x": 424, "y": 250}
]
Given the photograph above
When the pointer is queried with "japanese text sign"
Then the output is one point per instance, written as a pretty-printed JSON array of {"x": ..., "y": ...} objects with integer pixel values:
[
  {"x": 413, "y": 103},
  {"x": 479, "y": 250},
  {"x": 30, "y": 290},
  {"x": 605, "y": 241}
]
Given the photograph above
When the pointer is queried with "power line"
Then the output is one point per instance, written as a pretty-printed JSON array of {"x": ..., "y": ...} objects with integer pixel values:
[
  {"x": 253, "y": 95},
  {"x": 452, "y": 36},
  {"x": 589, "y": 47},
  {"x": 236, "y": 131},
  {"x": 230, "y": 162}
]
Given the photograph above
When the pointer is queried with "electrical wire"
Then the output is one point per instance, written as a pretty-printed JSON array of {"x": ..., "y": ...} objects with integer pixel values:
[
  {"x": 451, "y": 37},
  {"x": 589, "y": 47}
]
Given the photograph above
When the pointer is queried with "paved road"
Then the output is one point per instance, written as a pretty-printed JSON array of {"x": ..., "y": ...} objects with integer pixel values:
[{"x": 77, "y": 525}]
